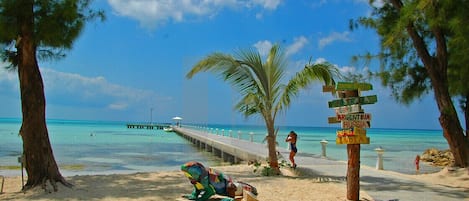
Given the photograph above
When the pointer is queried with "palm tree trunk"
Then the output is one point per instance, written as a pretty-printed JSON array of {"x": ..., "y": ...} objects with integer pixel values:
[
  {"x": 40, "y": 163},
  {"x": 271, "y": 144}
]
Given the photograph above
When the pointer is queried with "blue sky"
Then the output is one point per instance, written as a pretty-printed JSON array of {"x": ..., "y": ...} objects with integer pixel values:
[{"x": 132, "y": 66}]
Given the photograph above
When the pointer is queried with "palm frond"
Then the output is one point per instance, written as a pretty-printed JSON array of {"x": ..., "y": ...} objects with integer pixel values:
[{"x": 324, "y": 72}]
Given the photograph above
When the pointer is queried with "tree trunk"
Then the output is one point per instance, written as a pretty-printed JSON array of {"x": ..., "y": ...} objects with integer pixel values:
[
  {"x": 39, "y": 160},
  {"x": 437, "y": 69},
  {"x": 452, "y": 130},
  {"x": 272, "y": 148},
  {"x": 353, "y": 172},
  {"x": 449, "y": 121}
]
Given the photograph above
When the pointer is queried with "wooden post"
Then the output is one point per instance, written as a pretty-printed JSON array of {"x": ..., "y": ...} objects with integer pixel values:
[
  {"x": 353, "y": 165},
  {"x": 353, "y": 172},
  {"x": 353, "y": 122}
]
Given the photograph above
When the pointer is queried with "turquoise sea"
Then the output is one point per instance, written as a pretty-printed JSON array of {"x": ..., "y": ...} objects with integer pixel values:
[{"x": 98, "y": 147}]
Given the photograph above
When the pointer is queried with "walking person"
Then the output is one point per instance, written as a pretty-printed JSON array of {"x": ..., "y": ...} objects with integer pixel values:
[{"x": 291, "y": 138}]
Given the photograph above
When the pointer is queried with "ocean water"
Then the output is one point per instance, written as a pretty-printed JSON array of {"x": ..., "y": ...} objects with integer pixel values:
[{"x": 92, "y": 147}]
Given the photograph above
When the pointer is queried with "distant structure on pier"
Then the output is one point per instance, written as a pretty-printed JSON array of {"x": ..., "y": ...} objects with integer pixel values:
[{"x": 159, "y": 126}]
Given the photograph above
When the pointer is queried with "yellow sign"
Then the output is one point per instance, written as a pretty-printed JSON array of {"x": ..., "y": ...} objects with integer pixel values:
[
  {"x": 358, "y": 139},
  {"x": 355, "y": 131},
  {"x": 333, "y": 120}
]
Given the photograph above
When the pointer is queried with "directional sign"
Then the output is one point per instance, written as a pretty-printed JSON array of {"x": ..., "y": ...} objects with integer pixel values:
[
  {"x": 353, "y": 140},
  {"x": 354, "y": 117},
  {"x": 353, "y": 86},
  {"x": 351, "y": 132},
  {"x": 348, "y": 109},
  {"x": 345, "y": 132},
  {"x": 328, "y": 88},
  {"x": 353, "y": 101},
  {"x": 333, "y": 120},
  {"x": 359, "y": 124}
]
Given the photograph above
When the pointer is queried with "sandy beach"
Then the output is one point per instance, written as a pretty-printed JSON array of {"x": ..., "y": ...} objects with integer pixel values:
[{"x": 170, "y": 185}]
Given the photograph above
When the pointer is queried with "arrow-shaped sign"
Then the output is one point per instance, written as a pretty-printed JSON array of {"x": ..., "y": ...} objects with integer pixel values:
[
  {"x": 348, "y": 109},
  {"x": 353, "y": 140},
  {"x": 353, "y": 101},
  {"x": 359, "y": 124},
  {"x": 353, "y": 86},
  {"x": 354, "y": 117}
]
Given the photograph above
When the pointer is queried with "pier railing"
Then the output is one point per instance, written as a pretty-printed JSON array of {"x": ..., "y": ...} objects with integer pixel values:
[
  {"x": 250, "y": 136},
  {"x": 150, "y": 126},
  {"x": 228, "y": 145}
]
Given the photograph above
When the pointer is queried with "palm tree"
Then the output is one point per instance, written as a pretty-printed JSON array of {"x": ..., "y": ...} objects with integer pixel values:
[{"x": 261, "y": 84}]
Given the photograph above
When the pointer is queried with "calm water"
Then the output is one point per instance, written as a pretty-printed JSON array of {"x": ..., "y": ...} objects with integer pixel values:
[{"x": 90, "y": 147}]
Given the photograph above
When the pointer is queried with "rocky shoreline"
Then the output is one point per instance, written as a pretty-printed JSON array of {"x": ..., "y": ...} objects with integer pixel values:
[{"x": 436, "y": 157}]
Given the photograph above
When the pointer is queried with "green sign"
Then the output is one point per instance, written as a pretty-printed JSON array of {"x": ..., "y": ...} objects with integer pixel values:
[
  {"x": 342, "y": 86},
  {"x": 348, "y": 109},
  {"x": 353, "y": 101}
]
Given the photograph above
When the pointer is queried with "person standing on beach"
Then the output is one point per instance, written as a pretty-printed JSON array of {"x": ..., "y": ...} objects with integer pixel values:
[
  {"x": 417, "y": 164},
  {"x": 291, "y": 138}
]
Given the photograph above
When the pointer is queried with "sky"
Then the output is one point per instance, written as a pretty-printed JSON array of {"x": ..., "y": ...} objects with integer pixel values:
[{"x": 132, "y": 66}]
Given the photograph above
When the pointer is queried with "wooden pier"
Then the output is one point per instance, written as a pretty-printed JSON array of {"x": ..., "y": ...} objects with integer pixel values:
[
  {"x": 229, "y": 149},
  {"x": 148, "y": 126}
]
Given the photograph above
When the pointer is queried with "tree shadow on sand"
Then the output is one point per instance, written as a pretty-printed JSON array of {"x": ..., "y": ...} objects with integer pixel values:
[{"x": 385, "y": 184}]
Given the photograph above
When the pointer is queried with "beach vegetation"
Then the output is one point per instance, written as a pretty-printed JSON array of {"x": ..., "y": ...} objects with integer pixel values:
[
  {"x": 266, "y": 170},
  {"x": 31, "y": 30},
  {"x": 423, "y": 50},
  {"x": 263, "y": 85}
]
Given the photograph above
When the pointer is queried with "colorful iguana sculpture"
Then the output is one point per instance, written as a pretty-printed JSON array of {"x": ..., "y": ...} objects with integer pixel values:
[{"x": 208, "y": 182}]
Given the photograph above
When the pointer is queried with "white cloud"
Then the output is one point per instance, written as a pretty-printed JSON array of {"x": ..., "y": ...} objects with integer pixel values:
[
  {"x": 347, "y": 69},
  {"x": 335, "y": 36},
  {"x": 268, "y": 4},
  {"x": 151, "y": 13},
  {"x": 298, "y": 44},
  {"x": 71, "y": 88},
  {"x": 96, "y": 89},
  {"x": 118, "y": 106},
  {"x": 320, "y": 60},
  {"x": 263, "y": 47},
  {"x": 6, "y": 75}
]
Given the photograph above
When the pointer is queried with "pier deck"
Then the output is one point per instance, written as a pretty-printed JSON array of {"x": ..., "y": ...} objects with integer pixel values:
[
  {"x": 228, "y": 148},
  {"x": 148, "y": 126}
]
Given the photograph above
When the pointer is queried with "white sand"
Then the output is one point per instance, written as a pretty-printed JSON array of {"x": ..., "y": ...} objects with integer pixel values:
[{"x": 170, "y": 185}]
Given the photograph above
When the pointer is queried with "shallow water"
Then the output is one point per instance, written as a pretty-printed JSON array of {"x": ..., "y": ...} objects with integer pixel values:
[{"x": 90, "y": 147}]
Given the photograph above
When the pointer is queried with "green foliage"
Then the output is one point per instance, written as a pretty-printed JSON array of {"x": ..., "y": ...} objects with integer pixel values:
[
  {"x": 57, "y": 23},
  {"x": 261, "y": 83},
  {"x": 402, "y": 69},
  {"x": 266, "y": 170}
]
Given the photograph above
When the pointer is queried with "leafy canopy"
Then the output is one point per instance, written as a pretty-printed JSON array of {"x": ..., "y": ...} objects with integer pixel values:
[
  {"x": 401, "y": 66},
  {"x": 57, "y": 23}
]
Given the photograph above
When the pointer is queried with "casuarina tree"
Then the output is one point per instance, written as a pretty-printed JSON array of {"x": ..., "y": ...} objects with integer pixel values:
[
  {"x": 264, "y": 88},
  {"x": 423, "y": 49},
  {"x": 32, "y": 30}
]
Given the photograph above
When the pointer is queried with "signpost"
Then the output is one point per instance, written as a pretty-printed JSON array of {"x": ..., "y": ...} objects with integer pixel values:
[
  {"x": 348, "y": 109},
  {"x": 353, "y": 101},
  {"x": 354, "y": 123}
]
